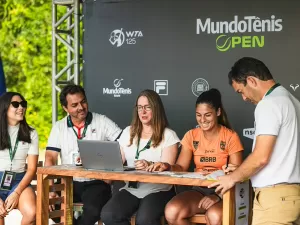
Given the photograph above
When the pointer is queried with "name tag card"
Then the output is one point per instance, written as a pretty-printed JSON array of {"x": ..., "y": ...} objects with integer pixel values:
[{"x": 7, "y": 180}]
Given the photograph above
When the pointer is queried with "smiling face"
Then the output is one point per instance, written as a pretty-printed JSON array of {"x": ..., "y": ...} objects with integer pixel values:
[
  {"x": 144, "y": 110},
  {"x": 15, "y": 115},
  {"x": 207, "y": 116},
  {"x": 77, "y": 106}
]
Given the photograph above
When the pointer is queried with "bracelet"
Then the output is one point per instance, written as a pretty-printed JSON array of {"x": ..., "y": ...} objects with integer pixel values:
[{"x": 17, "y": 193}]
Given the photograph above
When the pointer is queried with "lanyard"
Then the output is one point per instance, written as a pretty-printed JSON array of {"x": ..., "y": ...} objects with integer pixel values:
[
  {"x": 12, "y": 152},
  {"x": 84, "y": 130},
  {"x": 272, "y": 88},
  {"x": 147, "y": 146}
]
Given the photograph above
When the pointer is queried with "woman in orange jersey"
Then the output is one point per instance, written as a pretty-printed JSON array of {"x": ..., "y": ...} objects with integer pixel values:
[{"x": 210, "y": 145}]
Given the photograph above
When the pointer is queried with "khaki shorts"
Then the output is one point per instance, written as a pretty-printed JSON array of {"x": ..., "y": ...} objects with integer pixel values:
[{"x": 277, "y": 205}]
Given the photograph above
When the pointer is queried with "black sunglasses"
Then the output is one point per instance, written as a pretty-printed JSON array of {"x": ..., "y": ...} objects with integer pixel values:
[{"x": 16, "y": 104}]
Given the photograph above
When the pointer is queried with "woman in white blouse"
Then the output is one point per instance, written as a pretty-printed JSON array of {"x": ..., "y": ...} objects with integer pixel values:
[
  {"x": 18, "y": 143},
  {"x": 146, "y": 141}
]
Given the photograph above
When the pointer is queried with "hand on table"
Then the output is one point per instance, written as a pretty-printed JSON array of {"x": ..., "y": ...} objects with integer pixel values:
[
  {"x": 230, "y": 168},
  {"x": 223, "y": 184},
  {"x": 158, "y": 166},
  {"x": 141, "y": 164}
]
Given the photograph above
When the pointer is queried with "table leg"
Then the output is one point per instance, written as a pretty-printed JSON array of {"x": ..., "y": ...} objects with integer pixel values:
[
  {"x": 67, "y": 205},
  {"x": 42, "y": 211},
  {"x": 229, "y": 207}
]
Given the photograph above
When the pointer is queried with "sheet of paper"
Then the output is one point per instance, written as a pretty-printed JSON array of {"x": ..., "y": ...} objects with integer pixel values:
[
  {"x": 165, "y": 173},
  {"x": 215, "y": 174}
]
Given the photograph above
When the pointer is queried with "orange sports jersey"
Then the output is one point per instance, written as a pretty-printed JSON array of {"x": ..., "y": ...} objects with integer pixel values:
[{"x": 211, "y": 155}]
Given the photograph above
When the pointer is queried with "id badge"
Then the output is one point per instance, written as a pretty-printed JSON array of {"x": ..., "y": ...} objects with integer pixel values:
[{"x": 7, "y": 180}]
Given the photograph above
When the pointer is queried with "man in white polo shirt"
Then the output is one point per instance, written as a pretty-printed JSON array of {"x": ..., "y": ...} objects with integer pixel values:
[
  {"x": 81, "y": 124},
  {"x": 274, "y": 164}
]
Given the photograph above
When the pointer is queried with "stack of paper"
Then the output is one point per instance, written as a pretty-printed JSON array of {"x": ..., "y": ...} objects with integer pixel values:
[
  {"x": 195, "y": 175},
  {"x": 189, "y": 175},
  {"x": 215, "y": 175}
]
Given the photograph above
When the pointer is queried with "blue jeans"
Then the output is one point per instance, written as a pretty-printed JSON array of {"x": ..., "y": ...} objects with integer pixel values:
[{"x": 3, "y": 193}]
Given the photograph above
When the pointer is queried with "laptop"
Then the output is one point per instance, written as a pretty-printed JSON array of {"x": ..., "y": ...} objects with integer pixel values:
[{"x": 101, "y": 155}]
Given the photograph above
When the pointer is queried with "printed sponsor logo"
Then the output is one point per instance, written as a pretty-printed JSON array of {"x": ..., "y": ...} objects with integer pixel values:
[
  {"x": 222, "y": 145},
  {"x": 117, "y": 91},
  {"x": 242, "y": 193},
  {"x": 195, "y": 144},
  {"x": 199, "y": 85},
  {"x": 249, "y": 133},
  {"x": 249, "y": 24},
  {"x": 161, "y": 87},
  {"x": 119, "y": 37},
  {"x": 208, "y": 159},
  {"x": 209, "y": 151},
  {"x": 294, "y": 87}
]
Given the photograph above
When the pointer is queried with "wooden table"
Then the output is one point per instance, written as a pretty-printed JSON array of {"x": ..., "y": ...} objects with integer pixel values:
[{"x": 67, "y": 172}]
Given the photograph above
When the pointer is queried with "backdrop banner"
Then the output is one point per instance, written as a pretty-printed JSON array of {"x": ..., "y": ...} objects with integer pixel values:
[{"x": 182, "y": 48}]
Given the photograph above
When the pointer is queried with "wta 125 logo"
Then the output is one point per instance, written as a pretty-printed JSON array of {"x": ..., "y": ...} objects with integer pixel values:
[{"x": 119, "y": 37}]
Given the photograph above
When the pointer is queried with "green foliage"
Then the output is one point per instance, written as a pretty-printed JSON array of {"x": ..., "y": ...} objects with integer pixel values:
[{"x": 25, "y": 48}]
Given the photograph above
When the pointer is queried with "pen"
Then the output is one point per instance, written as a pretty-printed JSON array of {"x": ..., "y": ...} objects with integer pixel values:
[{"x": 227, "y": 161}]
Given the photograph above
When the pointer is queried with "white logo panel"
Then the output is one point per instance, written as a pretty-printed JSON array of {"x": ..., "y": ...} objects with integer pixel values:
[
  {"x": 118, "y": 90},
  {"x": 161, "y": 87},
  {"x": 249, "y": 133},
  {"x": 294, "y": 86},
  {"x": 118, "y": 37},
  {"x": 199, "y": 85}
]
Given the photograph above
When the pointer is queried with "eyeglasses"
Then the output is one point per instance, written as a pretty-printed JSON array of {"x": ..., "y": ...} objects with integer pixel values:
[
  {"x": 140, "y": 108},
  {"x": 16, "y": 104}
]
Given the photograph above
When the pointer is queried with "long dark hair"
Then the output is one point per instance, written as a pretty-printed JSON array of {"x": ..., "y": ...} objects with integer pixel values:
[
  {"x": 214, "y": 99},
  {"x": 159, "y": 119},
  {"x": 24, "y": 130}
]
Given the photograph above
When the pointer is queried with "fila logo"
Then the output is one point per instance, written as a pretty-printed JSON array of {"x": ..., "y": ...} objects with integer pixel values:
[{"x": 161, "y": 87}]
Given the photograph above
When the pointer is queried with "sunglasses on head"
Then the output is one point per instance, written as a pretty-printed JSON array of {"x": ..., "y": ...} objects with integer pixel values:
[{"x": 16, "y": 104}]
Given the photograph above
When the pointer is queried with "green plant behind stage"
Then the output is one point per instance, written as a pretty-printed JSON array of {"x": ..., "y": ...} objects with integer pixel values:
[{"x": 25, "y": 49}]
